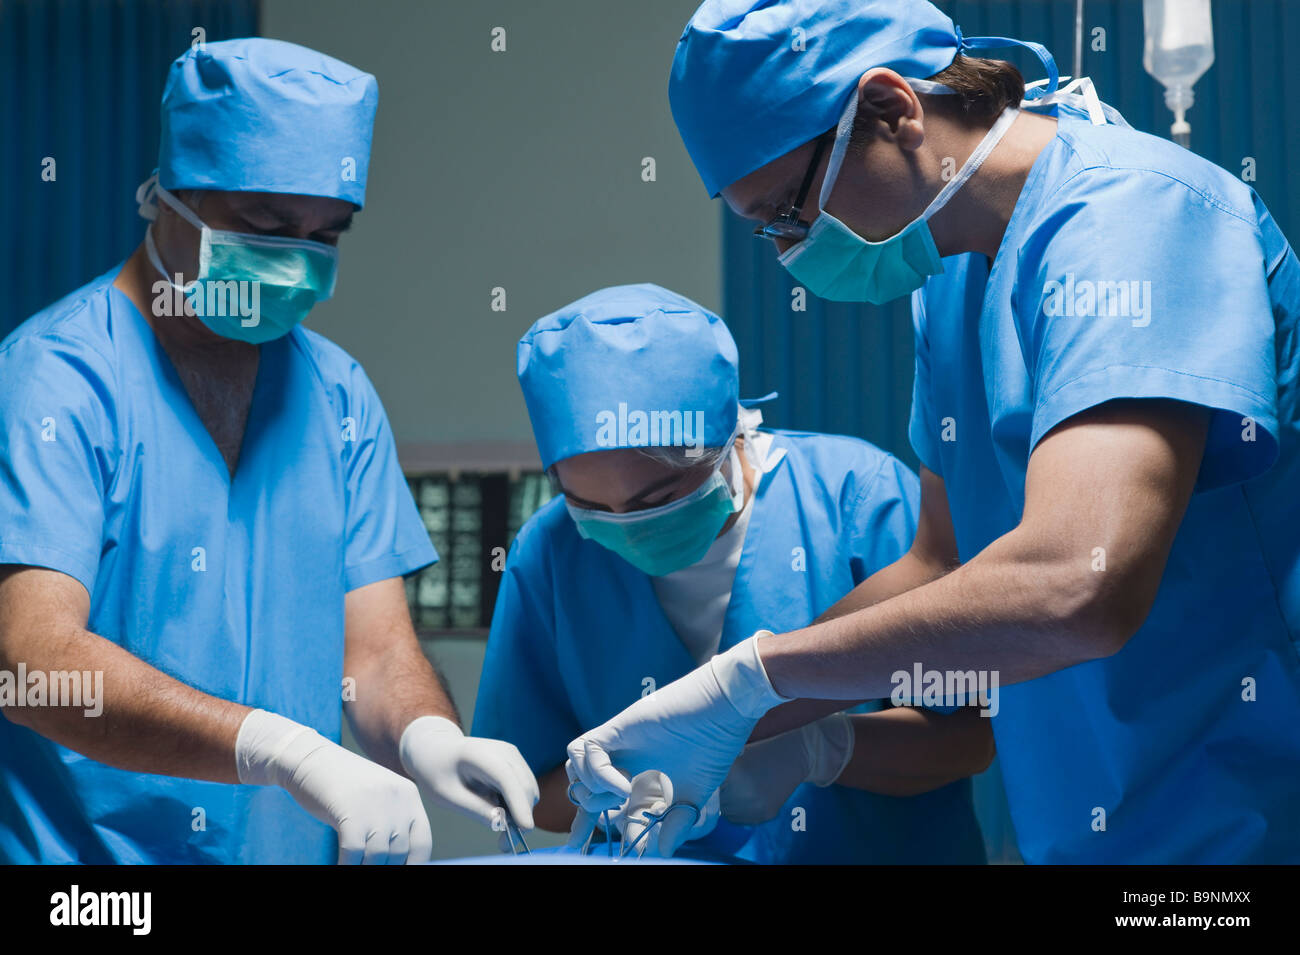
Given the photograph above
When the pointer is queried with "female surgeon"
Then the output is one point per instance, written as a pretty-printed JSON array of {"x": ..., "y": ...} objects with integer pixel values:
[
  {"x": 1106, "y": 408},
  {"x": 679, "y": 530}
]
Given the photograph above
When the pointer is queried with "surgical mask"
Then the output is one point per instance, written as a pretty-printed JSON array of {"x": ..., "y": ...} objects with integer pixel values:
[
  {"x": 835, "y": 263},
  {"x": 252, "y": 288},
  {"x": 665, "y": 539}
]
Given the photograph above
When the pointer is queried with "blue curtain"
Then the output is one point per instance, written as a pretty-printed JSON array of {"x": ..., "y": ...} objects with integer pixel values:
[
  {"x": 80, "y": 82},
  {"x": 848, "y": 368}
]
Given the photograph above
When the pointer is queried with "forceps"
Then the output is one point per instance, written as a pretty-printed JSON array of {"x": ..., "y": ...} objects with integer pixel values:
[
  {"x": 609, "y": 839},
  {"x": 654, "y": 819},
  {"x": 625, "y": 849},
  {"x": 515, "y": 834}
]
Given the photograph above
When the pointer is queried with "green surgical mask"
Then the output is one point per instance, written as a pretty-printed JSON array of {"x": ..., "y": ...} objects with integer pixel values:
[
  {"x": 835, "y": 263},
  {"x": 665, "y": 539},
  {"x": 252, "y": 288}
]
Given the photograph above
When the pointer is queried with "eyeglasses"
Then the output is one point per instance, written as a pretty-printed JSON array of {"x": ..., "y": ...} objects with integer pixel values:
[{"x": 787, "y": 225}]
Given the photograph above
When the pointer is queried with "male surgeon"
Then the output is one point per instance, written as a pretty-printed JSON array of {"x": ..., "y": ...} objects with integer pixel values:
[
  {"x": 200, "y": 501},
  {"x": 1105, "y": 407}
]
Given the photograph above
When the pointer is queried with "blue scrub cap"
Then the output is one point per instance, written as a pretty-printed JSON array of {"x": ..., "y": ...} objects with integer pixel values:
[
  {"x": 255, "y": 115},
  {"x": 753, "y": 79},
  {"x": 629, "y": 366}
]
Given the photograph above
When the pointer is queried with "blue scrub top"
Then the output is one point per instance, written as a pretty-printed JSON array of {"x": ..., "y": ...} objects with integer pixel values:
[
  {"x": 577, "y": 633},
  {"x": 233, "y": 586},
  {"x": 1158, "y": 737}
]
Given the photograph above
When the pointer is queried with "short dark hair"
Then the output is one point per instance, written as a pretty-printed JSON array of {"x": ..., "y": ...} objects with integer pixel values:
[{"x": 984, "y": 87}]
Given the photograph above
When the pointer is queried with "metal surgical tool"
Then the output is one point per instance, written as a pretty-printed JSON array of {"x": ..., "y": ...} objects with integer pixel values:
[{"x": 514, "y": 835}]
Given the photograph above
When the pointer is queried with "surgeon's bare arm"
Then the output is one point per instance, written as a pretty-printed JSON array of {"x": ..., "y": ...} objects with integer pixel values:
[
  {"x": 394, "y": 681},
  {"x": 553, "y": 811},
  {"x": 902, "y": 751},
  {"x": 933, "y": 553},
  {"x": 1111, "y": 482},
  {"x": 150, "y": 723},
  {"x": 406, "y": 721}
]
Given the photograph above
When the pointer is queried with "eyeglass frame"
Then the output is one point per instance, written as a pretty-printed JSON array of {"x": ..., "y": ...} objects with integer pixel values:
[{"x": 787, "y": 225}]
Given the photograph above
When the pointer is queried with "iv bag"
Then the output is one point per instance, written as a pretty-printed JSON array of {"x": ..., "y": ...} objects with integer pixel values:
[{"x": 1178, "y": 49}]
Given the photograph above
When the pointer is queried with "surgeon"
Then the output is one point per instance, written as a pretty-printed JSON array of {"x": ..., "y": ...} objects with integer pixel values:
[
  {"x": 203, "y": 520},
  {"x": 680, "y": 528},
  {"x": 1105, "y": 407}
]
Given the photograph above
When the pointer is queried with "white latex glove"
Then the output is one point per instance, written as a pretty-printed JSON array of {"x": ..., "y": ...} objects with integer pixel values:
[
  {"x": 768, "y": 772},
  {"x": 590, "y": 806},
  {"x": 692, "y": 729},
  {"x": 469, "y": 773},
  {"x": 589, "y": 802},
  {"x": 377, "y": 813}
]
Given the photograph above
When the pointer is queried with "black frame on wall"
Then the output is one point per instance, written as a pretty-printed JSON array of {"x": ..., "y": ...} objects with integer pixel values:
[{"x": 472, "y": 519}]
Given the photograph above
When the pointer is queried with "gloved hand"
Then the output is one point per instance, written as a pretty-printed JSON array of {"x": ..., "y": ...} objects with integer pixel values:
[
  {"x": 650, "y": 792},
  {"x": 768, "y": 772},
  {"x": 377, "y": 813},
  {"x": 469, "y": 773},
  {"x": 590, "y": 807},
  {"x": 692, "y": 730}
]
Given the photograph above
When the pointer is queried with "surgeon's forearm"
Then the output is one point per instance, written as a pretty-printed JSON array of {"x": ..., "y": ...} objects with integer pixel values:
[
  {"x": 910, "y": 571},
  {"x": 553, "y": 811},
  {"x": 794, "y": 714},
  {"x": 1008, "y": 611},
  {"x": 902, "y": 751},
  {"x": 389, "y": 682},
  {"x": 390, "y": 693},
  {"x": 140, "y": 719},
  {"x": 907, "y": 573}
]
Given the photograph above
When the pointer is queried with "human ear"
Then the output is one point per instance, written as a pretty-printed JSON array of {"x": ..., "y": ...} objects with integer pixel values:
[{"x": 885, "y": 96}]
